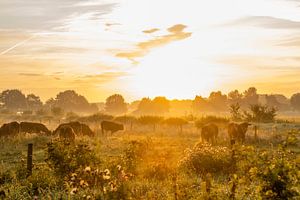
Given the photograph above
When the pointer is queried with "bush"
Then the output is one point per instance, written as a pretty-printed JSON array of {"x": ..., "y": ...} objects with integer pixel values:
[
  {"x": 65, "y": 157},
  {"x": 203, "y": 159},
  {"x": 260, "y": 113},
  {"x": 210, "y": 119}
]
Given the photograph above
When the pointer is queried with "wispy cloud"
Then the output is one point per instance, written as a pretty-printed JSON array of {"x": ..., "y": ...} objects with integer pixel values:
[
  {"x": 176, "y": 33},
  {"x": 266, "y": 22}
]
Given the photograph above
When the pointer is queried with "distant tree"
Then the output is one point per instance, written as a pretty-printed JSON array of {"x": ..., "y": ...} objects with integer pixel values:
[
  {"x": 295, "y": 101},
  {"x": 13, "y": 100},
  {"x": 57, "y": 111},
  {"x": 70, "y": 101},
  {"x": 235, "y": 97},
  {"x": 34, "y": 102},
  {"x": 115, "y": 104},
  {"x": 250, "y": 96},
  {"x": 272, "y": 101},
  {"x": 176, "y": 121},
  {"x": 41, "y": 112},
  {"x": 199, "y": 104},
  {"x": 145, "y": 107},
  {"x": 150, "y": 120},
  {"x": 161, "y": 105},
  {"x": 218, "y": 101}
]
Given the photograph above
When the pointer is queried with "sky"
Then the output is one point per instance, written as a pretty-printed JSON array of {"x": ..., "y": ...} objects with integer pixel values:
[{"x": 148, "y": 48}]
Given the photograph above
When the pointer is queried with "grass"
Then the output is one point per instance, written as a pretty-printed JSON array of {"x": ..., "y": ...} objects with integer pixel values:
[{"x": 154, "y": 157}]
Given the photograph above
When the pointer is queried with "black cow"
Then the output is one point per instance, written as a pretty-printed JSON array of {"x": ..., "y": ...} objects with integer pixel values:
[
  {"x": 31, "y": 127},
  {"x": 209, "y": 133},
  {"x": 66, "y": 132},
  {"x": 238, "y": 131},
  {"x": 10, "y": 129},
  {"x": 78, "y": 128},
  {"x": 110, "y": 126}
]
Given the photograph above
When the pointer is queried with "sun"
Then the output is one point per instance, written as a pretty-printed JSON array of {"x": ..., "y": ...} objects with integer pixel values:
[{"x": 172, "y": 73}]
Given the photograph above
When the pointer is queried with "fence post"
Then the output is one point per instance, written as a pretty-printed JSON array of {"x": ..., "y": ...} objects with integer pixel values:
[
  {"x": 29, "y": 159},
  {"x": 255, "y": 133}
]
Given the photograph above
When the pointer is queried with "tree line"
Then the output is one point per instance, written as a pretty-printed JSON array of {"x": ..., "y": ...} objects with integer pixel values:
[{"x": 69, "y": 101}]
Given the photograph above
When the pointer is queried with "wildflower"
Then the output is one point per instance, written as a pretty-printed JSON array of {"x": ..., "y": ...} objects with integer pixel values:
[
  {"x": 119, "y": 167},
  {"x": 87, "y": 169},
  {"x": 74, "y": 191}
]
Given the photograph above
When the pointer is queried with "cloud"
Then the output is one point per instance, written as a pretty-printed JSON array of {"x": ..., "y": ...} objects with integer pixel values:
[
  {"x": 41, "y": 15},
  {"x": 30, "y": 74},
  {"x": 266, "y": 22},
  {"x": 151, "y": 30},
  {"x": 176, "y": 33},
  {"x": 291, "y": 42}
]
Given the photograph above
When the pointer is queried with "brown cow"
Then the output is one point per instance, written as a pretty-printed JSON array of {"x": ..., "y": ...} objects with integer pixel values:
[
  {"x": 78, "y": 128},
  {"x": 66, "y": 133},
  {"x": 31, "y": 127},
  {"x": 209, "y": 133},
  {"x": 10, "y": 129},
  {"x": 111, "y": 127},
  {"x": 238, "y": 131}
]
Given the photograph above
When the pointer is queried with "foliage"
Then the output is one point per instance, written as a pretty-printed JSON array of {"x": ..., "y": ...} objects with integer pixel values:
[
  {"x": 150, "y": 120},
  {"x": 157, "y": 106},
  {"x": 260, "y": 113},
  {"x": 204, "y": 158},
  {"x": 57, "y": 111},
  {"x": 115, "y": 104},
  {"x": 210, "y": 119},
  {"x": 295, "y": 101},
  {"x": 65, "y": 157},
  {"x": 234, "y": 110}
]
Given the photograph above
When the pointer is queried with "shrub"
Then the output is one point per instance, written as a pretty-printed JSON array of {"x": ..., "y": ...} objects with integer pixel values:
[
  {"x": 260, "y": 113},
  {"x": 65, "y": 157},
  {"x": 210, "y": 119},
  {"x": 203, "y": 159}
]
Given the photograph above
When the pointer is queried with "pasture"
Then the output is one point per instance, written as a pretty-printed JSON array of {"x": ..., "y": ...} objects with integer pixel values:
[{"x": 165, "y": 163}]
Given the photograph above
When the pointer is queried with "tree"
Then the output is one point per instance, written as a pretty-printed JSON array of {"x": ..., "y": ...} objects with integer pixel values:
[
  {"x": 218, "y": 100},
  {"x": 161, "y": 105},
  {"x": 34, "y": 102},
  {"x": 199, "y": 104},
  {"x": 13, "y": 100},
  {"x": 57, "y": 111},
  {"x": 295, "y": 101},
  {"x": 250, "y": 96},
  {"x": 235, "y": 97},
  {"x": 115, "y": 104},
  {"x": 70, "y": 101},
  {"x": 260, "y": 113},
  {"x": 145, "y": 107}
]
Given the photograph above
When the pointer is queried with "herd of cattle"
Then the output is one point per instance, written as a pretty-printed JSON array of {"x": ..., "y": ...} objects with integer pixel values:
[
  {"x": 66, "y": 130},
  {"x": 209, "y": 132}
]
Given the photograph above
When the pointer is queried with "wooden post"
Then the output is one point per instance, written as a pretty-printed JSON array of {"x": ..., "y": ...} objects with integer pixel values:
[
  {"x": 29, "y": 159},
  {"x": 255, "y": 133}
]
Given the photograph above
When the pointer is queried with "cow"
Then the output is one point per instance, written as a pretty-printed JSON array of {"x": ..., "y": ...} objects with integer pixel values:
[
  {"x": 78, "y": 128},
  {"x": 66, "y": 132},
  {"x": 10, "y": 129},
  {"x": 31, "y": 127},
  {"x": 110, "y": 126},
  {"x": 238, "y": 131},
  {"x": 209, "y": 133}
]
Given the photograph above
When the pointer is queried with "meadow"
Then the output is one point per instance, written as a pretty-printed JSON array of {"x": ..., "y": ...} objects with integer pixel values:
[{"x": 165, "y": 163}]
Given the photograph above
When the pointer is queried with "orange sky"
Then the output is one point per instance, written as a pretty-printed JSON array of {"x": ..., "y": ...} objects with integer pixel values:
[{"x": 138, "y": 48}]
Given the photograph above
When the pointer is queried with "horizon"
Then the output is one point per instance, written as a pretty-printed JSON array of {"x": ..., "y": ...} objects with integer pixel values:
[{"x": 99, "y": 48}]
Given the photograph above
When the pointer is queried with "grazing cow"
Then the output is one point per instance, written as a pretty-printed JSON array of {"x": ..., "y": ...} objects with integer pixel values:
[
  {"x": 78, "y": 128},
  {"x": 66, "y": 132},
  {"x": 111, "y": 127},
  {"x": 238, "y": 131},
  {"x": 31, "y": 127},
  {"x": 10, "y": 129},
  {"x": 209, "y": 132}
]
